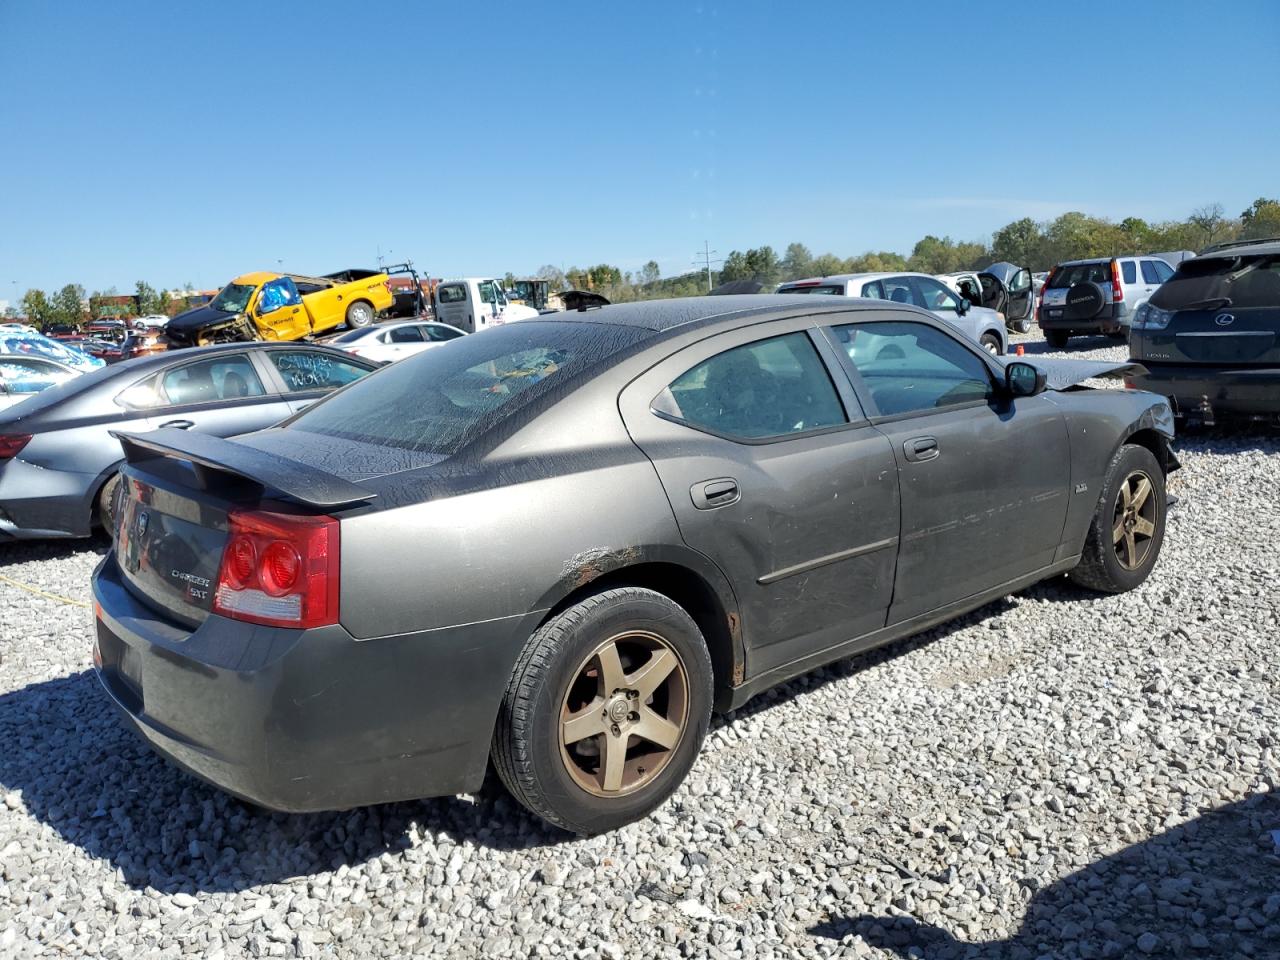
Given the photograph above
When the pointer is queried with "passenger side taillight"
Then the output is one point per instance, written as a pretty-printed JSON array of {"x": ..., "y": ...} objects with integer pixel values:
[
  {"x": 1117, "y": 291},
  {"x": 11, "y": 445},
  {"x": 279, "y": 569}
]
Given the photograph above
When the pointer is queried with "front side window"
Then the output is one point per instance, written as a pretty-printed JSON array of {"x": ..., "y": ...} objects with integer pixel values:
[
  {"x": 488, "y": 292},
  {"x": 937, "y": 297},
  {"x": 218, "y": 378},
  {"x": 757, "y": 391},
  {"x": 439, "y": 334},
  {"x": 304, "y": 370},
  {"x": 277, "y": 294},
  {"x": 1149, "y": 272},
  {"x": 1163, "y": 270},
  {"x": 912, "y": 367}
]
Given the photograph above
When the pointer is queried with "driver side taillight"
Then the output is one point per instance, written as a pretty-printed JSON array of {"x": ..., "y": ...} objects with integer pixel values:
[
  {"x": 1117, "y": 291},
  {"x": 279, "y": 569},
  {"x": 11, "y": 445}
]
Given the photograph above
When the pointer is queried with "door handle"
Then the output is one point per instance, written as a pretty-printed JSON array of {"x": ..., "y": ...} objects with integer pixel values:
[
  {"x": 710, "y": 494},
  {"x": 179, "y": 424},
  {"x": 919, "y": 449}
]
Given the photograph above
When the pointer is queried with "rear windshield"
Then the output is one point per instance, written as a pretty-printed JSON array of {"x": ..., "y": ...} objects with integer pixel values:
[
  {"x": 1069, "y": 276},
  {"x": 1207, "y": 284},
  {"x": 440, "y": 400},
  {"x": 353, "y": 335},
  {"x": 832, "y": 290}
]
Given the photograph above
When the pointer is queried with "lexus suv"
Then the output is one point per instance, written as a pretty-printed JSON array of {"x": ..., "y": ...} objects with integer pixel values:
[
  {"x": 1097, "y": 296},
  {"x": 1210, "y": 337}
]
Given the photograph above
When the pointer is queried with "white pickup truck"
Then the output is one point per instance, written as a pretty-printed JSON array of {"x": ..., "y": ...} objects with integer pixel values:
[{"x": 475, "y": 303}]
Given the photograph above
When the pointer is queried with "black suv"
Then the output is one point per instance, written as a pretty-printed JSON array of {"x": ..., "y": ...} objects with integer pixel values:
[{"x": 1210, "y": 336}]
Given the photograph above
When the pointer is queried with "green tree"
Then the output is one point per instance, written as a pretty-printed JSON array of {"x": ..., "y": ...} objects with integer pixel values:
[
  {"x": 797, "y": 262},
  {"x": 146, "y": 297},
  {"x": 826, "y": 264},
  {"x": 650, "y": 273},
  {"x": 69, "y": 304},
  {"x": 735, "y": 267},
  {"x": 763, "y": 266},
  {"x": 1020, "y": 243},
  {"x": 37, "y": 308},
  {"x": 1262, "y": 219}
]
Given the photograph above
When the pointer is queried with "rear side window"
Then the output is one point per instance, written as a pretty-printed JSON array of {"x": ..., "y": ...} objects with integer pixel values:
[
  {"x": 404, "y": 335},
  {"x": 304, "y": 370},
  {"x": 827, "y": 289},
  {"x": 873, "y": 290},
  {"x": 898, "y": 289},
  {"x": 444, "y": 400},
  {"x": 756, "y": 391},
  {"x": 451, "y": 293},
  {"x": 1128, "y": 271},
  {"x": 1211, "y": 283},
  {"x": 1149, "y": 273},
  {"x": 1070, "y": 275}
]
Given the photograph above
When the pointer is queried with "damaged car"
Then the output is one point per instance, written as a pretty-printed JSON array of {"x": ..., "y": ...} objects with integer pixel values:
[
  {"x": 675, "y": 506},
  {"x": 1209, "y": 338}
]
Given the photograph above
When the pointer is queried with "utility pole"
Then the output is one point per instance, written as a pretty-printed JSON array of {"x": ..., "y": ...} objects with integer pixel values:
[{"x": 704, "y": 260}]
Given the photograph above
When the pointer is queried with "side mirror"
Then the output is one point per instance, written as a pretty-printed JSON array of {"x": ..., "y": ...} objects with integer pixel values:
[
  {"x": 1024, "y": 380},
  {"x": 962, "y": 307}
]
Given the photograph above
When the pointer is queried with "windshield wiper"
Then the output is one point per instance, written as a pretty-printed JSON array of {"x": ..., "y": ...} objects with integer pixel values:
[{"x": 1210, "y": 304}]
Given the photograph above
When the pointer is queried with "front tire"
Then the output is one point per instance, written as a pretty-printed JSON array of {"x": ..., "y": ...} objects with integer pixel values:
[
  {"x": 359, "y": 314},
  {"x": 1128, "y": 525},
  {"x": 605, "y": 712}
]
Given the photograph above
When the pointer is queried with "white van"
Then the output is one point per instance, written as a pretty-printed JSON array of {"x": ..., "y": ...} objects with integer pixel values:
[{"x": 474, "y": 303}]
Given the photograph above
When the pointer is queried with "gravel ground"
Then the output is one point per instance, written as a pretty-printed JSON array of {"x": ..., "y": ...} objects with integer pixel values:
[{"x": 1058, "y": 774}]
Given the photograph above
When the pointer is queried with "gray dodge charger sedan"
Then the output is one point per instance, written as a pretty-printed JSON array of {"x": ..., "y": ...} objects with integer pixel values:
[{"x": 559, "y": 544}]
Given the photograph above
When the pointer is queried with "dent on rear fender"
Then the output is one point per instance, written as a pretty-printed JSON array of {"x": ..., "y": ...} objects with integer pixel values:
[{"x": 588, "y": 565}]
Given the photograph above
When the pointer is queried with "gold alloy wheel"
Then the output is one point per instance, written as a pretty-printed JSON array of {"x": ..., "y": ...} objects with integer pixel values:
[
  {"x": 1134, "y": 524},
  {"x": 624, "y": 713}
]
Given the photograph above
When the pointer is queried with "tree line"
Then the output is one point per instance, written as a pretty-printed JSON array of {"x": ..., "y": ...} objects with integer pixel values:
[
  {"x": 70, "y": 305},
  {"x": 1037, "y": 245}
]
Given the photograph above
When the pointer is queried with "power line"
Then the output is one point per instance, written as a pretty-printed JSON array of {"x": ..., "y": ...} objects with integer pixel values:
[{"x": 704, "y": 260}]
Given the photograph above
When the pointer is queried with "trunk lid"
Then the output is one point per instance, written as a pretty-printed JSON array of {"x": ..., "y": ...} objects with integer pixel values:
[
  {"x": 169, "y": 541},
  {"x": 1249, "y": 336}
]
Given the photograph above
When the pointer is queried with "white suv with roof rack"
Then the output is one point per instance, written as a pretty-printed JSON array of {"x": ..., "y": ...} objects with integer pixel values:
[{"x": 918, "y": 289}]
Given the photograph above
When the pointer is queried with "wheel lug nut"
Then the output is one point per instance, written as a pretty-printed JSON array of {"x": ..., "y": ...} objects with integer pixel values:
[{"x": 617, "y": 730}]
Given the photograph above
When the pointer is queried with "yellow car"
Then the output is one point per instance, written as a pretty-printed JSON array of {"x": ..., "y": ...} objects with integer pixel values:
[{"x": 283, "y": 306}]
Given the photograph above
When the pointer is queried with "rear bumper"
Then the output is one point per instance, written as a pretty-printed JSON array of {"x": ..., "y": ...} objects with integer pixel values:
[
  {"x": 36, "y": 503},
  {"x": 304, "y": 720},
  {"x": 1114, "y": 318},
  {"x": 1228, "y": 391}
]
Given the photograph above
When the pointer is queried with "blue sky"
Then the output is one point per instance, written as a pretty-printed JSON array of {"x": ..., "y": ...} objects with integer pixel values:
[{"x": 176, "y": 142}]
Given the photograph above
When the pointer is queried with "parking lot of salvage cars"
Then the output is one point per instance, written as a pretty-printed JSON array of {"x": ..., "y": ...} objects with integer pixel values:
[{"x": 1059, "y": 774}]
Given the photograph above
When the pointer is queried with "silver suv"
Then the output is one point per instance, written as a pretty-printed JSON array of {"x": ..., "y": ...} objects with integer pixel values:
[
  {"x": 981, "y": 323},
  {"x": 1097, "y": 296}
]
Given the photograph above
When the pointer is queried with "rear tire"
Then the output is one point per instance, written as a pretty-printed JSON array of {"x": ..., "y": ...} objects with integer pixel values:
[
  {"x": 107, "y": 502},
  {"x": 570, "y": 742},
  {"x": 1056, "y": 338},
  {"x": 991, "y": 343},
  {"x": 1128, "y": 524},
  {"x": 359, "y": 314}
]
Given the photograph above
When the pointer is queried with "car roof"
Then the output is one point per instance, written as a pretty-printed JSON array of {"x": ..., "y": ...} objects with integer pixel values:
[
  {"x": 669, "y": 317},
  {"x": 880, "y": 275},
  {"x": 1263, "y": 248}
]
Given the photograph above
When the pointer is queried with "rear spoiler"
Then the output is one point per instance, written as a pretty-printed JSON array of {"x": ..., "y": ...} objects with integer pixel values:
[{"x": 297, "y": 480}]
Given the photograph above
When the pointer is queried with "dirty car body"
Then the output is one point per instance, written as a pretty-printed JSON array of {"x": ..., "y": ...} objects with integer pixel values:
[{"x": 797, "y": 523}]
